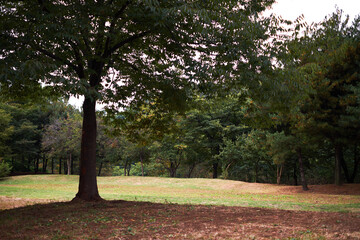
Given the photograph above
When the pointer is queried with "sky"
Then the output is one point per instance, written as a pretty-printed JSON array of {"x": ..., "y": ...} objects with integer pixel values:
[{"x": 313, "y": 10}]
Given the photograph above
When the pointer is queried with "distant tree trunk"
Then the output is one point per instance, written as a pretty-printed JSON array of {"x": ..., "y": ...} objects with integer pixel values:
[
  {"x": 45, "y": 162},
  {"x": 338, "y": 159},
  {"x": 28, "y": 164},
  {"x": 173, "y": 168},
  {"x": 69, "y": 165},
  {"x": 142, "y": 165},
  {"x": 128, "y": 169},
  {"x": 66, "y": 165},
  {"x": 37, "y": 160},
  {"x": 295, "y": 176},
  {"x": 215, "y": 170},
  {"x": 256, "y": 171},
  {"x": 279, "y": 170},
  {"x": 125, "y": 167},
  {"x": 52, "y": 165},
  {"x": 345, "y": 168},
  {"x": 356, "y": 165},
  {"x": 302, "y": 170},
  {"x": 60, "y": 160},
  {"x": 191, "y": 169},
  {"x": 72, "y": 166},
  {"x": 100, "y": 167},
  {"x": 88, "y": 189}
]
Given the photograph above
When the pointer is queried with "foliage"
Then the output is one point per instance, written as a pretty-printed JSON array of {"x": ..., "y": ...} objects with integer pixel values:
[{"x": 5, "y": 169}]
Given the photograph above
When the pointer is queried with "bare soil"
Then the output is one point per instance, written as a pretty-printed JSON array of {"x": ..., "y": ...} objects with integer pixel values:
[{"x": 143, "y": 220}]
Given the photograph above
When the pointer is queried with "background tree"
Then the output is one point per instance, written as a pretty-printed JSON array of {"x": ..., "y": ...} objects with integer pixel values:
[{"x": 326, "y": 57}]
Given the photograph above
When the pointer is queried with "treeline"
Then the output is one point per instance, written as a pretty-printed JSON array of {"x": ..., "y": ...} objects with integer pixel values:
[{"x": 302, "y": 126}]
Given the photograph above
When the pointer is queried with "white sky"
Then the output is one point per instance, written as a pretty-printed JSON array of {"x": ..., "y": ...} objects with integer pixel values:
[{"x": 313, "y": 10}]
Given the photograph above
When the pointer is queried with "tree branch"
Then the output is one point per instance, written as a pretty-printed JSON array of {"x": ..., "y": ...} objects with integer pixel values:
[
  {"x": 128, "y": 40},
  {"x": 112, "y": 25},
  {"x": 56, "y": 58},
  {"x": 80, "y": 67}
]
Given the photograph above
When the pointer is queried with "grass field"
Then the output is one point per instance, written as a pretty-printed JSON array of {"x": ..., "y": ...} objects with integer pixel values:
[
  {"x": 187, "y": 191},
  {"x": 37, "y": 207}
]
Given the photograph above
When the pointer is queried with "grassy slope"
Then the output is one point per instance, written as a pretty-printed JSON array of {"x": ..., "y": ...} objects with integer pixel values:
[{"x": 182, "y": 191}]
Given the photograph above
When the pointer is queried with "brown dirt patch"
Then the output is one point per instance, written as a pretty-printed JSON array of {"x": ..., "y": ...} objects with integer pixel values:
[
  {"x": 143, "y": 220},
  {"x": 11, "y": 202}
]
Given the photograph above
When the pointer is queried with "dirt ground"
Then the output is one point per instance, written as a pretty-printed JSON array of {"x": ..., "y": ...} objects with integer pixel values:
[{"x": 143, "y": 220}]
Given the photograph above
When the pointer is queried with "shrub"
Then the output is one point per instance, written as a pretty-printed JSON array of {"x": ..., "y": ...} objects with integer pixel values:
[{"x": 5, "y": 169}]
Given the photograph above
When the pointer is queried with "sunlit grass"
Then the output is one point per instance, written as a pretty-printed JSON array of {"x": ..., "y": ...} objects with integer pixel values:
[{"x": 179, "y": 191}]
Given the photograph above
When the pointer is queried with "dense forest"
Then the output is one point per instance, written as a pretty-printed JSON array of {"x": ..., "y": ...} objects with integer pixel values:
[{"x": 282, "y": 105}]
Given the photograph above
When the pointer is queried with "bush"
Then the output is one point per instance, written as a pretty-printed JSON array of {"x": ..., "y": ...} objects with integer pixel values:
[{"x": 5, "y": 169}]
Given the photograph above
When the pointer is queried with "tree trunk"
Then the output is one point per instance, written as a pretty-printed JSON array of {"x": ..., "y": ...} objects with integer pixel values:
[
  {"x": 28, "y": 164},
  {"x": 278, "y": 173},
  {"x": 191, "y": 169},
  {"x": 69, "y": 165},
  {"x": 215, "y": 170},
  {"x": 52, "y": 165},
  {"x": 45, "y": 162},
  {"x": 338, "y": 157},
  {"x": 302, "y": 170},
  {"x": 37, "y": 160},
  {"x": 142, "y": 164},
  {"x": 295, "y": 176},
  {"x": 60, "y": 160},
  {"x": 125, "y": 166},
  {"x": 256, "y": 171},
  {"x": 72, "y": 166},
  {"x": 345, "y": 168},
  {"x": 65, "y": 165},
  {"x": 88, "y": 189},
  {"x": 356, "y": 165},
  {"x": 100, "y": 167}
]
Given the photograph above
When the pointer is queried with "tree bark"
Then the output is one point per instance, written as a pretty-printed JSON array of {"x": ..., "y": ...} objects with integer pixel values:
[
  {"x": 345, "y": 169},
  {"x": 215, "y": 170},
  {"x": 65, "y": 165},
  {"x": 60, "y": 160},
  {"x": 356, "y": 165},
  {"x": 191, "y": 169},
  {"x": 100, "y": 167},
  {"x": 294, "y": 175},
  {"x": 302, "y": 171},
  {"x": 37, "y": 160},
  {"x": 256, "y": 171},
  {"x": 142, "y": 164},
  {"x": 69, "y": 165},
  {"x": 125, "y": 166},
  {"x": 28, "y": 164},
  {"x": 45, "y": 162},
  {"x": 279, "y": 173},
  {"x": 88, "y": 189},
  {"x": 338, "y": 157}
]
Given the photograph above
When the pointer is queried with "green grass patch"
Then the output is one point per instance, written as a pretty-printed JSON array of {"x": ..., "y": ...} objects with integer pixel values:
[{"x": 179, "y": 191}]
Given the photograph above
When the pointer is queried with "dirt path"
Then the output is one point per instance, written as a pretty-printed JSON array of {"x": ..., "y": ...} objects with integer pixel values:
[{"x": 142, "y": 220}]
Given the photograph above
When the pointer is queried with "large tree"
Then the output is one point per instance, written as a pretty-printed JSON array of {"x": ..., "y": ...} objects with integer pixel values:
[
  {"x": 326, "y": 59},
  {"x": 117, "y": 51}
]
